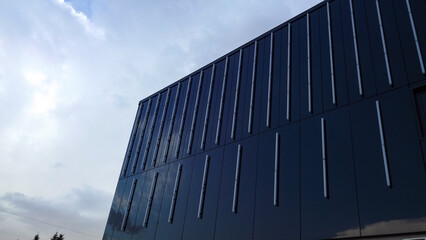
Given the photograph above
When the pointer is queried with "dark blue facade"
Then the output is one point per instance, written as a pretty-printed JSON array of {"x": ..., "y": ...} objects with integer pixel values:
[{"x": 314, "y": 130}]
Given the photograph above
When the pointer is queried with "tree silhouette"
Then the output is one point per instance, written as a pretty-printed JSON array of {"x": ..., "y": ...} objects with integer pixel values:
[
  {"x": 55, "y": 236},
  {"x": 37, "y": 237}
]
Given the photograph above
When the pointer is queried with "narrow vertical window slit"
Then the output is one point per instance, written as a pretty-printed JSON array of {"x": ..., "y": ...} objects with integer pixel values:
[
  {"x": 222, "y": 99},
  {"x": 324, "y": 158},
  {"x": 308, "y": 41},
  {"x": 268, "y": 107},
  {"x": 203, "y": 187},
  {"x": 253, "y": 79},
  {"x": 236, "y": 180},
  {"x": 182, "y": 121},
  {"x": 416, "y": 40},
  {"x": 175, "y": 193},
  {"x": 151, "y": 132},
  {"x": 385, "y": 52},
  {"x": 172, "y": 122},
  {"x": 150, "y": 199},
  {"x": 237, "y": 89},
  {"x": 276, "y": 168},
  {"x": 129, "y": 205},
  {"x": 206, "y": 117},
  {"x": 358, "y": 70},
  {"x": 129, "y": 150},
  {"x": 160, "y": 130},
  {"x": 142, "y": 134},
  {"x": 194, "y": 115},
  {"x": 330, "y": 48},
  {"x": 288, "y": 71},
  {"x": 383, "y": 145}
]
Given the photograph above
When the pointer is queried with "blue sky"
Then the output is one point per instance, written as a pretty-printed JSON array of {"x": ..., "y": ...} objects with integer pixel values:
[{"x": 71, "y": 75}]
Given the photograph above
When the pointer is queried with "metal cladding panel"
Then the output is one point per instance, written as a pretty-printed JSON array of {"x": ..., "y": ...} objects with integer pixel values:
[
  {"x": 328, "y": 189},
  {"x": 402, "y": 204},
  {"x": 215, "y": 105},
  {"x": 280, "y": 220},
  {"x": 114, "y": 213},
  {"x": 364, "y": 51},
  {"x": 195, "y": 148},
  {"x": 236, "y": 198},
  {"x": 200, "y": 216},
  {"x": 180, "y": 120},
  {"x": 149, "y": 205},
  {"x": 284, "y": 63},
  {"x": 316, "y": 63},
  {"x": 339, "y": 54},
  {"x": 315, "y": 126},
  {"x": 183, "y": 147},
  {"x": 263, "y": 83},
  {"x": 412, "y": 66},
  {"x": 172, "y": 213}
]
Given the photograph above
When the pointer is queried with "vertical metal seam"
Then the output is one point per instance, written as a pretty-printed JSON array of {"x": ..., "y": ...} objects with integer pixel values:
[
  {"x": 276, "y": 170},
  {"x": 129, "y": 149},
  {"x": 268, "y": 107},
  {"x": 236, "y": 180},
  {"x": 129, "y": 204},
  {"x": 237, "y": 93},
  {"x": 203, "y": 187},
  {"x": 222, "y": 98},
  {"x": 182, "y": 121},
  {"x": 416, "y": 40},
  {"x": 172, "y": 122},
  {"x": 150, "y": 199},
  {"x": 175, "y": 193},
  {"x": 330, "y": 47},
  {"x": 382, "y": 34},
  {"x": 194, "y": 115},
  {"x": 142, "y": 134},
  {"x": 383, "y": 145},
  {"x": 253, "y": 79},
  {"x": 356, "y": 49},
  {"x": 324, "y": 158},
  {"x": 206, "y": 117},
  {"x": 308, "y": 41},
  {"x": 151, "y": 132},
  {"x": 288, "y": 71},
  {"x": 160, "y": 130}
]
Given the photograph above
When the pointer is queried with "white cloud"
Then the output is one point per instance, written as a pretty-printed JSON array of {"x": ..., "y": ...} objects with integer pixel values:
[{"x": 72, "y": 73}]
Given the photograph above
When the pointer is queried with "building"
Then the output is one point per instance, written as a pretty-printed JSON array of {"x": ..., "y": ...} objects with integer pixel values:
[{"x": 314, "y": 130}]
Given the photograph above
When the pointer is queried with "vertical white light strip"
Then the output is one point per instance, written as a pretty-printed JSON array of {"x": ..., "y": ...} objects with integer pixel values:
[
  {"x": 150, "y": 199},
  {"x": 151, "y": 131},
  {"x": 330, "y": 48},
  {"x": 268, "y": 107},
  {"x": 206, "y": 117},
  {"x": 129, "y": 205},
  {"x": 194, "y": 115},
  {"x": 385, "y": 52},
  {"x": 237, "y": 94},
  {"x": 236, "y": 180},
  {"x": 129, "y": 150},
  {"x": 288, "y": 71},
  {"x": 182, "y": 121},
  {"x": 277, "y": 157},
  {"x": 175, "y": 193},
  {"x": 324, "y": 159},
  {"x": 383, "y": 145},
  {"x": 203, "y": 187},
  {"x": 222, "y": 99},
  {"x": 253, "y": 79},
  {"x": 160, "y": 130},
  {"x": 142, "y": 134},
  {"x": 308, "y": 41},
  {"x": 172, "y": 122},
  {"x": 416, "y": 40},
  {"x": 356, "y": 49}
]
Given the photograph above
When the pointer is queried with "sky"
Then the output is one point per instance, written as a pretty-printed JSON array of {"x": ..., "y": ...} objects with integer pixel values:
[{"x": 71, "y": 75}]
